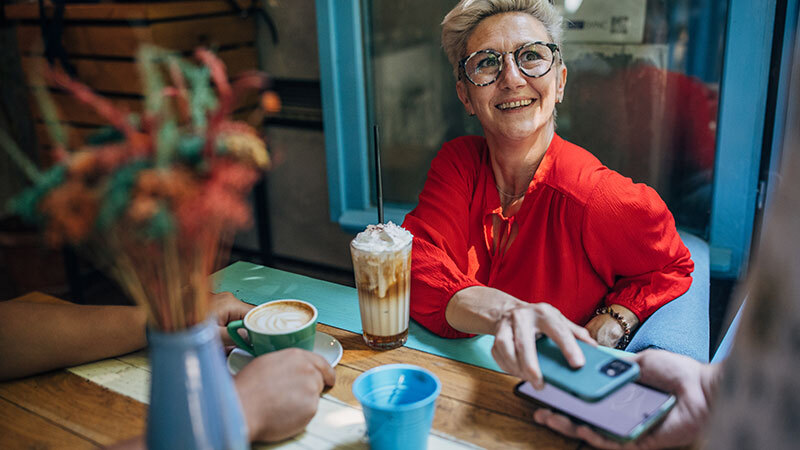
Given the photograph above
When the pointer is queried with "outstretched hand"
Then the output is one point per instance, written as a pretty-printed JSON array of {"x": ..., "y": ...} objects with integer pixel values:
[
  {"x": 689, "y": 380},
  {"x": 514, "y": 347}
]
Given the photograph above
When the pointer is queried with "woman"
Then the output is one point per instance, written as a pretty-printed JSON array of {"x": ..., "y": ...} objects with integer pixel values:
[{"x": 521, "y": 232}]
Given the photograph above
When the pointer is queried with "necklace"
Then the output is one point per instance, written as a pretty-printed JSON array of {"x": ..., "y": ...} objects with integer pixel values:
[{"x": 510, "y": 196}]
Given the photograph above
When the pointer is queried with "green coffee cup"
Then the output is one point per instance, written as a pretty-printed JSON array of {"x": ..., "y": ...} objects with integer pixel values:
[{"x": 277, "y": 325}]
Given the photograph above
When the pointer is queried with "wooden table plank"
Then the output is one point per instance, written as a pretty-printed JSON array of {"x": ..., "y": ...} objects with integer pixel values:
[
  {"x": 476, "y": 405},
  {"x": 18, "y": 426},
  {"x": 468, "y": 422},
  {"x": 473, "y": 385},
  {"x": 87, "y": 409}
]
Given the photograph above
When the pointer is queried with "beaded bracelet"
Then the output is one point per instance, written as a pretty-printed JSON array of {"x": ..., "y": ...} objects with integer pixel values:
[{"x": 626, "y": 334}]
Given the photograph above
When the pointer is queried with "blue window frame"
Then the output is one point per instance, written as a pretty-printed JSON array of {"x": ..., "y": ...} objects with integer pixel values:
[
  {"x": 345, "y": 116},
  {"x": 740, "y": 130},
  {"x": 743, "y": 102}
]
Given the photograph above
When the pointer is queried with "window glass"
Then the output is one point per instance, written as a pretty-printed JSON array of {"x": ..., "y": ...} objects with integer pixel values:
[
  {"x": 413, "y": 92},
  {"x": 642, "y": 93}
]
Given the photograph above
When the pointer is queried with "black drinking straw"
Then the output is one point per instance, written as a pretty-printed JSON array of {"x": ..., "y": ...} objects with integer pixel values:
[{"x": 378, "y": 181}]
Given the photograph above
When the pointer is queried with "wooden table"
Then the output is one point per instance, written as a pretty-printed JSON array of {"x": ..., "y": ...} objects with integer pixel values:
[{"x": 63, "y": 410}]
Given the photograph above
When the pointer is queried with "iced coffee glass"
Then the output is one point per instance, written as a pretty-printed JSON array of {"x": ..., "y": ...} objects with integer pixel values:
[{"x": 382, "y": 265}]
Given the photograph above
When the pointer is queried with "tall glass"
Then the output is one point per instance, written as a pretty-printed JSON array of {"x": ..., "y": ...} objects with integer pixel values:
[{"x": 383, "y": 280}]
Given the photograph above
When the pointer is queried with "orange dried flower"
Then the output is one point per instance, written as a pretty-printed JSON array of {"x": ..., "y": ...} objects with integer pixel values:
[
  {"x": 149, "y": 182},
  {"x": 271, "y": 102},
  {"x": 243, "y": 143},
  {"x": 71, "y": 210},
  {"x": 143, "y": 208},
  {"x": 179, "y": 184},
  {"x": 83, "y": 163}
]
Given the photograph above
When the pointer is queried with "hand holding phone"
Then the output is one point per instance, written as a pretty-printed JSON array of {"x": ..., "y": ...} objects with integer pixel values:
[
  {"x": 623, "y": 415},
  {"x": 667, "y": 372}
]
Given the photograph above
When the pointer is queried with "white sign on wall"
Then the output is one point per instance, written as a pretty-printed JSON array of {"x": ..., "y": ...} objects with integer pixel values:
[{"x": 603, "y": 21}]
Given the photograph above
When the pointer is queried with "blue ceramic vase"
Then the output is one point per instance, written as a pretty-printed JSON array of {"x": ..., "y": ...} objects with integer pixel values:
[{"x": 193, "y": 403}]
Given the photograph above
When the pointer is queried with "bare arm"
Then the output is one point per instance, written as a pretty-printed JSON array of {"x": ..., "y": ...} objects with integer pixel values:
[
  {"x": 36, "y": 337},
  {"x": 470, "y": 311},
  {"x": 515, "y": 324}
]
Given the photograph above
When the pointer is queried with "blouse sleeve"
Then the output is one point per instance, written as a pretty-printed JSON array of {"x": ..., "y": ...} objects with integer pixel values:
[
  {"x": 631, "y": 240},
  {"x": 439, "y": 223}
]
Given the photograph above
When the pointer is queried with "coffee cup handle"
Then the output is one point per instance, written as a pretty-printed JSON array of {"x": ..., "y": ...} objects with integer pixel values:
[{"x": 233, "y": 331}]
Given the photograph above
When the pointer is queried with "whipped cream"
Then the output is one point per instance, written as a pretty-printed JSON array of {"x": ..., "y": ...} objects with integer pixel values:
[{"x": 383, "y": 237}]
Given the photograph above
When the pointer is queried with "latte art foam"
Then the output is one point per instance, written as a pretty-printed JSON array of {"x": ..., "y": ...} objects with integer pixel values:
[{"x": 280, "y": 318}]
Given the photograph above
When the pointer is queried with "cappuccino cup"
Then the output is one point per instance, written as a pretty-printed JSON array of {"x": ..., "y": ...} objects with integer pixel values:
[{"x": 276, "y": 325}]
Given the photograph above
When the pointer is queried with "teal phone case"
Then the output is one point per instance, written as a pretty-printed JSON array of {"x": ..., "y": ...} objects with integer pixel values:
[{"x": 589, "y": 382}]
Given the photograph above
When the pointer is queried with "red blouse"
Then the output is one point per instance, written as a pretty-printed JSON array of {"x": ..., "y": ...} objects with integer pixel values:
[{"x": 583, "y": 235}]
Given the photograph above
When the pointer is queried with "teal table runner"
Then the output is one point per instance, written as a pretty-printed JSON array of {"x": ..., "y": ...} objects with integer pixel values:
[{"x": 338, "y": 307}]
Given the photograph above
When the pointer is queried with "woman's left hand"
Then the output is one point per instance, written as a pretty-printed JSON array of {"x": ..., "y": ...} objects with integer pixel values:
[{"x": 606, "y": 330}]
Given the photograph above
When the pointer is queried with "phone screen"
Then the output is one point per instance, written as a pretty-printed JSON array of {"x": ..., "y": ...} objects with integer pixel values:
[{"x": 619, "y": 413}]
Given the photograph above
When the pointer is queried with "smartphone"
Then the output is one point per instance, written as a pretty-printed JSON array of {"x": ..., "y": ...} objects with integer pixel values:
[
  {"x": 623, "y": 415},
  {"x": 601, "y": 375}
]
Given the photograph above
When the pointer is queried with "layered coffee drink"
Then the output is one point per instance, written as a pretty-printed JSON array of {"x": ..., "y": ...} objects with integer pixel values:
[
  {"x": 279, "y": 317},
  {"x": 382, "y": 266}
]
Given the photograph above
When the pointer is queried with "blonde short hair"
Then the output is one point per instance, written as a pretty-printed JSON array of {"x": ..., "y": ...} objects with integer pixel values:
[{"x": 459, "y": 23}]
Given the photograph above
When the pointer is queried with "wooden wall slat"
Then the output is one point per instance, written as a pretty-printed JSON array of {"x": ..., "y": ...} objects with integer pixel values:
[
  {"x": 122, "y": 76},
  {"x": 75, "y": 111},
  {"x": 75, "y": 135},
  {"x": 124, "y": 11},
  {"x": 211, "y": 32},
  {"x": 72, "y": 110},
  {"x": 88, "y": 40},
  {"x": 124, "y": 41}
]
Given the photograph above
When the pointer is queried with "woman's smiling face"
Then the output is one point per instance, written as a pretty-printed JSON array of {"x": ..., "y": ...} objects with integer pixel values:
[{"x": 515, "y": 106}]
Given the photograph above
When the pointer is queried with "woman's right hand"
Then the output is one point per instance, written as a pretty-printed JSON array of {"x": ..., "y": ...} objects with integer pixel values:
[
  {"x": 515, "y": 335},
  {"x": 515, "y": 325}
]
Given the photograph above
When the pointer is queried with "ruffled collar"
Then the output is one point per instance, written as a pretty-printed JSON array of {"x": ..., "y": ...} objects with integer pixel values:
[{"x": 492, "y": 198}]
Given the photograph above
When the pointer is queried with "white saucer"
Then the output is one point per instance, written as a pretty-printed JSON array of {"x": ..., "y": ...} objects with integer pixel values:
[{"x": 325, "y": 345}]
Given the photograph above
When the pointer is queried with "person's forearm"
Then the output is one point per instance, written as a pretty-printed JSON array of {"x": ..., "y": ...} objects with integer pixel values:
[
  {"x": 36, "y": 337},
  {"x": 477, "y": 309}
]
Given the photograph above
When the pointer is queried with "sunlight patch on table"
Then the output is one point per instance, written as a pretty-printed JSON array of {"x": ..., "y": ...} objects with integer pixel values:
[
  {"x": 339, "y": 426},
  {"x": 118, "y": 376}
]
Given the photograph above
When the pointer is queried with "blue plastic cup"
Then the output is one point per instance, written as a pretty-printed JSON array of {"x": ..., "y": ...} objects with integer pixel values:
[{"x": 398, "y": 402}]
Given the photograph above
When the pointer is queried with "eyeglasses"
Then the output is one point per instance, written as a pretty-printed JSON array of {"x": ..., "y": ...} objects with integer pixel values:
[{"x": 534, "y": 60}]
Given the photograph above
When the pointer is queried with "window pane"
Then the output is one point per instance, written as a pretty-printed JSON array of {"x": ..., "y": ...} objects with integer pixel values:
[
  {"x": 647, "y": 106},
  {"x": 413, "y": 90},
  {"x": 642, "y": 93}
]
